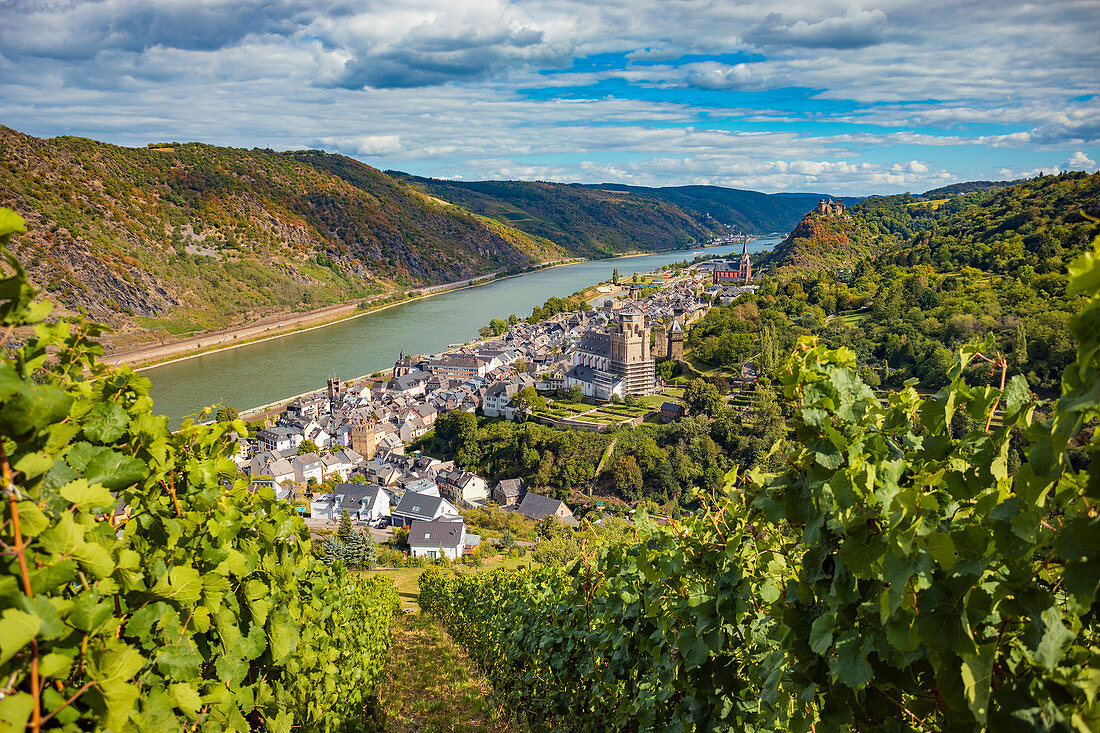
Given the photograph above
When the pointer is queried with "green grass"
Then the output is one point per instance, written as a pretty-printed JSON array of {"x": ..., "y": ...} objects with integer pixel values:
[{"x": 430, "y": 684}]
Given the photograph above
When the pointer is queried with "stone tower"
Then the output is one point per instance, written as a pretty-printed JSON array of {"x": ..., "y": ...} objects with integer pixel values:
[
  {"x": 630, "y": 355},
  {"x": 362, "y": 438},
  {"x": 676, "y": 342},
  {"x": 335, "y": 392},
  {"x": 660, "y": 342}
]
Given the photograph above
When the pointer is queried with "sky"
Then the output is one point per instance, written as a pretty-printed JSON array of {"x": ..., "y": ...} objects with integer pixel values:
[{"x": 802, "y": 96}]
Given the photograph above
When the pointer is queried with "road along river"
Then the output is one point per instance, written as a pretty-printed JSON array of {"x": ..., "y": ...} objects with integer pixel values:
[{"x": 263, "y": 372}]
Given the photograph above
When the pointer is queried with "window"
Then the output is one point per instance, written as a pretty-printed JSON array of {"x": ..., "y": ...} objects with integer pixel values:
[
  {"x": 427, "y": 535},
  {"x": 432, "y": 554}
]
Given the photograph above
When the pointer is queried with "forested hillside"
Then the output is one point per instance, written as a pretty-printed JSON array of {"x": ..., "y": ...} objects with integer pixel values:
[
  {"x": 185, "y": 236},
  {"x": 592, "y": 222},
  {"x": 999, "y": 228}
]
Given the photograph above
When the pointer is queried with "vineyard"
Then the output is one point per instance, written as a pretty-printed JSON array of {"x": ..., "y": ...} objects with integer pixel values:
[
  {"x": 145, "y": 586},
  {"x": 895, "y": 576}
]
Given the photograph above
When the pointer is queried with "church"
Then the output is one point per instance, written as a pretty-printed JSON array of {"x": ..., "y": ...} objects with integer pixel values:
[
  {"x": 607, "y": 364},
  {"x": 742, "y": 274}
]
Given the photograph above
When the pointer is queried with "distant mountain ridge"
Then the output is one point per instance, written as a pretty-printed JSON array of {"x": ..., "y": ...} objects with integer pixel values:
[{"x": 598, "y": 219}]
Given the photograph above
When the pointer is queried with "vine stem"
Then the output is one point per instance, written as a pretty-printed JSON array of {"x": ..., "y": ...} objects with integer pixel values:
[
  {"x": 21, "y": 551},
  {"x": 87, "y": 686}
]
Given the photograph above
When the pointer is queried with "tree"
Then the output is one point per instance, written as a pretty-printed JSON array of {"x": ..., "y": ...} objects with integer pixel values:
[
  {"x": 630, "y": 400},
  {"x": 702, "y": 398},
  {"x": 498, "y": 325},
  {"x": 344, "y": 533},
  {"x": 400, "y": 538},
  {"x": 513, "y": 319},
  {"x": 575, "y": 393},
  {"x": 353, "y": 550},
  {"x": 628, "y": 476},
  {"x": 615, "y": 276},
  {"x": 507, "y": 539},
  {"x": 520, "y": 366},
  {"x": 1019, "y": 350},
  {"x": 307, "y": 446},
  {"x": 528, "y": 398},
  {"x": 227, "y": 413}
]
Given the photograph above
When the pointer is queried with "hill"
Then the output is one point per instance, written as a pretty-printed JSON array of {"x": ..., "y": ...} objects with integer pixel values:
[
  {"x": 1035, "y": 223},
  {"x": 190, "y": 236},
  {"x": 598, "y": 219},
  {"x": 823, "y": 241},
  {"x": 592, "y": 222},
  {"x": 956, "y": 189}
]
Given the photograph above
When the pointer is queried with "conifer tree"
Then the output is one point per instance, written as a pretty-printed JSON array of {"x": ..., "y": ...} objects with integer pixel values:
[
  {"x": 1019, "y": 347},
  {"x": 344, "y": 533},
  {"x": 368, "y": 555},
  {"x": 353, "y": 551},
  {"x": 331, "y": 550}
]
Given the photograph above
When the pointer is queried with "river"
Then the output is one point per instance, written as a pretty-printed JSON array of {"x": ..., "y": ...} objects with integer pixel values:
[{"x": 264, "y": 372}]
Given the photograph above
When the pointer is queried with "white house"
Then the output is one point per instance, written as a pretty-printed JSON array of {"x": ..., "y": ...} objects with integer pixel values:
[
  {"x": 415, "y": 507},
  {"x": 277, "y": 439},
  {"x": 463, "y": 487},
  {"x": 440, "y": 538},
  {"x": 365, "y": 503},
  {"x": 308, "y": 466}
]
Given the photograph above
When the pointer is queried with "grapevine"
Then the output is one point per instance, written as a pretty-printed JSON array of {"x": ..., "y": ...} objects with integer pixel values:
[
  {"x": 894, "y": 576},
  {"x": 145, "y": 584}
]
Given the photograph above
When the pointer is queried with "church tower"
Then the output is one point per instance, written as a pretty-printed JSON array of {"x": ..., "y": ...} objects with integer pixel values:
[{"x": 744, "y": 269}]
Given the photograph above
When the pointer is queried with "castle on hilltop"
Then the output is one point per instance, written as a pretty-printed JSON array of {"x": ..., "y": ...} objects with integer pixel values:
[{"x": 830, "y": 208}]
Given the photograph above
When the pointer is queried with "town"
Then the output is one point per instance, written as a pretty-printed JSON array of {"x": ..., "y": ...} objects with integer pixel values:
[{"x": 342, "y": 449}]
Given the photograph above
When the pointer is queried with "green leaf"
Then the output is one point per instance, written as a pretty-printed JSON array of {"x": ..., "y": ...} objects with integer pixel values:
[
  {"x": 55, "y": 665},
  {"x": 821, "y": 633},
  {"x": 11, "y": 223},
  {"x": 977, "y": 674},
  {"x": 185, "y": 696},
  {"x": 19, "y": 629},
  {"x": 114, "y": 470},
  {"x": 106, "y": 422},
  {"x": 850, "y": 665},
  {"x": 88, "y": 497},
  {"x": 116, "y": 661},
  {"x": 1055, "y": 637},
  {"x": 15, "y": 710},
  {"x": 181, "y": 584},
  {"x": 942, "y": 549}
]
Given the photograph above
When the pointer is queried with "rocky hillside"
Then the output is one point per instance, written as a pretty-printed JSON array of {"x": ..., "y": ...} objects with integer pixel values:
[
  {"x": 823, "y": 241},
  {"x": 183, "y": 237}
]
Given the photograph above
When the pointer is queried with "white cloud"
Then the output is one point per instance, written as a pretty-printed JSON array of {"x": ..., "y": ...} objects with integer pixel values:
[
  {"x": 1081, "y": 161},
  {"x": 445, "y": 88}
]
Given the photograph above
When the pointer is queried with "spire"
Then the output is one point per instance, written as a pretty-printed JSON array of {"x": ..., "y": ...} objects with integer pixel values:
[{"x": 745, "y": 248}]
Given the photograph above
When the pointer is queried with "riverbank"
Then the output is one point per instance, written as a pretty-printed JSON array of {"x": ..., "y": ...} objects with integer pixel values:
[{"x": 278, "y": 326}]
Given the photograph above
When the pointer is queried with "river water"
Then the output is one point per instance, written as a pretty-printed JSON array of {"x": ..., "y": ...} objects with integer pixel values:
[{"x": 264, "y": 372}]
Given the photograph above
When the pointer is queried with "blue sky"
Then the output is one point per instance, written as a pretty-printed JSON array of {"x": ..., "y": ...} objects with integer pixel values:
[{"x": 818, "y": 96}]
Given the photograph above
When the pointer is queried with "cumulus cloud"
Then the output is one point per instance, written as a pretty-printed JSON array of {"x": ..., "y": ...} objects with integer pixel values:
[
  {"x": 1081, "y": 161},
  {"x": 855, "y": 29},
  {"x": 859, "y": 97}
]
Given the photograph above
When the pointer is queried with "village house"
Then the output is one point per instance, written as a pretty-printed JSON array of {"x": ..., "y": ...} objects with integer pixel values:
[
  {"x": 508, "y": 492},
  {"x": 415, "y": 507},
  {"x": 440, "y": 539},
  {"x": 462, "y": 487},
  {"x": 537, "y": 507}
]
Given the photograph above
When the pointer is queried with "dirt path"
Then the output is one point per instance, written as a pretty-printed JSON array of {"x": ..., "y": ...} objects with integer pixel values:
[{"x": 430, "y": 684}]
